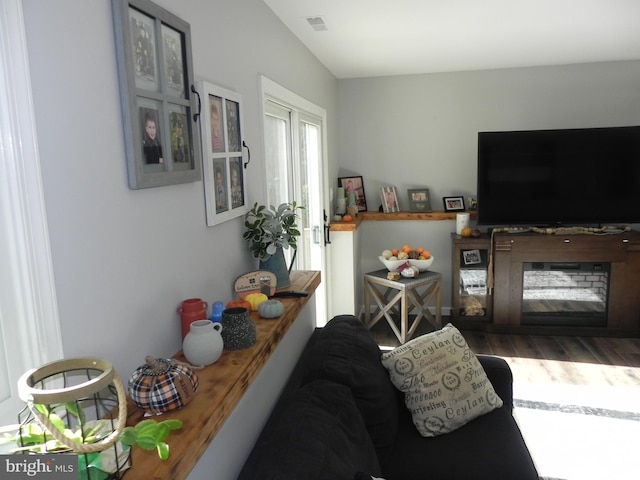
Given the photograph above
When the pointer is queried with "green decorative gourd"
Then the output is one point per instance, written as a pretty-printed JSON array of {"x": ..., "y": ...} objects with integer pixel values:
[{"x": 271, "y": 309}]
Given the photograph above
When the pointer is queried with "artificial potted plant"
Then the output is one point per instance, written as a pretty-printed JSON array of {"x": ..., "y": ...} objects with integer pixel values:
[{"x": 269, "y": 230}]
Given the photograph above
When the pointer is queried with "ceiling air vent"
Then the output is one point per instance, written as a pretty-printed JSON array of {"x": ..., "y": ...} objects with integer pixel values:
[{"x": 317, "y": 23}]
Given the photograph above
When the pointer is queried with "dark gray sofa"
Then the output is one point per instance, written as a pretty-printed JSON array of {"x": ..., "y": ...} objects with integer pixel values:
[{"x": 340, "y": 417}]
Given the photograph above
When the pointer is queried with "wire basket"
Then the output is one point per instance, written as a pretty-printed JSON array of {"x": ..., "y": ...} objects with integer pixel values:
[{"x": 76, "y": 406}]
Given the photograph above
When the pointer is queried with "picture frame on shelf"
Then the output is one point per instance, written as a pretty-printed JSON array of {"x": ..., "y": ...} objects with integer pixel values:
[
  {"x": 354, "y": 185},
  {"x": 471, "y": 257},
  {"x": 453, "y": 204},
  {"x": 419, "y": 200},
  {"x": 389, "y": 197},
  {"x": 222, "y": 149},
  {"x": 155, "y": 73}
]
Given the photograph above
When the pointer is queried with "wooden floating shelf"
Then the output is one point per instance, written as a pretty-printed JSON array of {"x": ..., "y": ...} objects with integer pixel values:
[{"x": 386, "y": 217}]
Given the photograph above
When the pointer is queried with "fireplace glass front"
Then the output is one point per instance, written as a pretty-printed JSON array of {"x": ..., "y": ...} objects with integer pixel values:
[{"x": 565, "y": 294}]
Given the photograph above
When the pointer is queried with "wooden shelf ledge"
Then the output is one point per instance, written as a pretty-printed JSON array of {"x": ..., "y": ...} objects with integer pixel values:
[
  {"x": 386, "y": 217},
  {"x": 221, "y": 386}
]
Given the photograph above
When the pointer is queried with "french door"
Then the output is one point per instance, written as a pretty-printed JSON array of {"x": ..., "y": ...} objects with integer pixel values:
[{"x": 295, "y": 166}]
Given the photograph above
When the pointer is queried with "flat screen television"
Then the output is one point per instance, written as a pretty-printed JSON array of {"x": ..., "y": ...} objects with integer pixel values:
[{"x": 571, "y": 177}]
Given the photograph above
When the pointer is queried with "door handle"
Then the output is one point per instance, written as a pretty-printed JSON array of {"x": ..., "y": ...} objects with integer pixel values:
[{"x": 327, "y": 232}]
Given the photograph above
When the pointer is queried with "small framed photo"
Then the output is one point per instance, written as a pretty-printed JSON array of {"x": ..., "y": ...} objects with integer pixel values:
[
  {"x": 389, "y": 197},
  {"x": 354, "y": 185},
  {"x": 419, "y": 200},
  {"x": 471, "y": 257},
  {"x": 453, "y": 204}
]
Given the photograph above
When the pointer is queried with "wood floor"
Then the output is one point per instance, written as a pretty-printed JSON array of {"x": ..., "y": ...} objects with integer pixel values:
[{"x": 566, "y": 360}]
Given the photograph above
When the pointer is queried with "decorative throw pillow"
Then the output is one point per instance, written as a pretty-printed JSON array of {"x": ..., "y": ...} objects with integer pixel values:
[{"x": 444, "y": 384}]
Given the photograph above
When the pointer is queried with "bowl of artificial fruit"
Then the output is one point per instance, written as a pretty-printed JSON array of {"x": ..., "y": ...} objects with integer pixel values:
[{"x": 395, "y": 257}]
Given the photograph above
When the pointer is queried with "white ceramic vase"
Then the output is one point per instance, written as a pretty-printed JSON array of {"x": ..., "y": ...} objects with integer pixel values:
[{"x": 203, "y": 345}]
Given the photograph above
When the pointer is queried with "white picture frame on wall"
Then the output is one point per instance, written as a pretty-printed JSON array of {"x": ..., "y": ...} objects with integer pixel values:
[{"x": 224, "y": 170}]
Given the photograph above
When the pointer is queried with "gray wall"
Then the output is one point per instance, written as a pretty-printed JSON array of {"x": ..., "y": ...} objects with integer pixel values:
[
  {"x": 125, "y": 259},
  {"x": 421, "y": 131}
]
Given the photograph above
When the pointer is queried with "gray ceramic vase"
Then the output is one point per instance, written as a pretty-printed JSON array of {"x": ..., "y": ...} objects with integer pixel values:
[{"x": 238, "y": 330}]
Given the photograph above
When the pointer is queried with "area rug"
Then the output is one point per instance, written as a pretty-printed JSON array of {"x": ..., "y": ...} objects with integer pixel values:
[{"x": 580, "y": 433}]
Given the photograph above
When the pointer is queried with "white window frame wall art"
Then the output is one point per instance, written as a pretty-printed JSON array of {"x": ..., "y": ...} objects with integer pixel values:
[
  {"x": 157, "y": 96},
  {"x": 224, "y": 168}
]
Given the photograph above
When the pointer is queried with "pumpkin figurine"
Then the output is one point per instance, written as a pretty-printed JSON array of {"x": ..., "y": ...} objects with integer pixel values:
[
  {"x": 239, "y": 304},
  {"x": 162, "y": 384},
  {"x": 271, "y": 309},
  {"x": 255, "y": 299}
]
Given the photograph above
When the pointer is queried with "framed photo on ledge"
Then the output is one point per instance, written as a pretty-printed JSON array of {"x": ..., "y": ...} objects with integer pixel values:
[
  {"x": 453, "y": 204},
  {"x": 354, "y": 185},
  {"x": 224, "y": 169},
  {"x": 389, "y": 197},
  {"x": 419, "y": 200},
  {"x": 158, "y": 101}
]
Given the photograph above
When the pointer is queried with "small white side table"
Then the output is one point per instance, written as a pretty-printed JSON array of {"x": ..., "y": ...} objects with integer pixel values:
[{"x": 400, "y": 297}]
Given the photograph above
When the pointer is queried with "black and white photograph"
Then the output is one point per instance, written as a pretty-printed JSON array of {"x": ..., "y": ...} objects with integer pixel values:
[
  {"x": 143, "y": 46},
  {"x": 173, "y": 62}
]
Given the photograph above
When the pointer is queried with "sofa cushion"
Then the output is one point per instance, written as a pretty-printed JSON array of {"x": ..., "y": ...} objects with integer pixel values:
[
  {"x": 444, "y": 384},
  {"x": 345, "y": 352},
  {"x": 320, "y": 435}
]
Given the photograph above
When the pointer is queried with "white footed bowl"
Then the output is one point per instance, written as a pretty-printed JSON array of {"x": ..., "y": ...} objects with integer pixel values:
[{"x": 392, "y": 265}]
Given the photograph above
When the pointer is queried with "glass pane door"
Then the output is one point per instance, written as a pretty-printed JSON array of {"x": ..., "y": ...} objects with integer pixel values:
[{"x": 293, "y": 153}]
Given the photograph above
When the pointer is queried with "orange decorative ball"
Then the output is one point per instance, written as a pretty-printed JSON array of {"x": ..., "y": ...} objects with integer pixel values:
[{"x": 466, "y": 232}]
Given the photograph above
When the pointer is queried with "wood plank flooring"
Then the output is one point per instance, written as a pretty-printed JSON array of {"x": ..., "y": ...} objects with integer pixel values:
[{"x": 566, "y": 360}]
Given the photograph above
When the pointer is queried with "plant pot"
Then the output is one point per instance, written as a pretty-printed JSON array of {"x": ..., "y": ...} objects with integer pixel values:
[{"x": 277, "y": 265}]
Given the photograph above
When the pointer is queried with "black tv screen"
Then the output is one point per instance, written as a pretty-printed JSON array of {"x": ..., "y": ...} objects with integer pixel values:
[{"x": 566, "y": 177}]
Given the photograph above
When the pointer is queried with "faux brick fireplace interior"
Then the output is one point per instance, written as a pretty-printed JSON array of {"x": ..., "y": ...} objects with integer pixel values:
[{"x": 565, "y": 293}]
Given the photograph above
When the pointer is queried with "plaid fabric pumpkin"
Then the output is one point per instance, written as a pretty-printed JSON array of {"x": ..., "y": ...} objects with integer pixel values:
[{"x": 161, "y": 385}]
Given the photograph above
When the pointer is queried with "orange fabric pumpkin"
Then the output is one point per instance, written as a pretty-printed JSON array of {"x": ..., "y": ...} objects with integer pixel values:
[{"x": 239, "y": 303}]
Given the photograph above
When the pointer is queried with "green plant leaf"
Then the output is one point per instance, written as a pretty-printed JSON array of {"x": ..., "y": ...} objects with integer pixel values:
[
  {"x": 146, "y": 442},
  {"x": 162, "y": 433},
  {"x": 128, "y": 436},
  {"x": 173, "y": 424},
  {"x": 163, "y": 450},
  {"x": 143, "y": 424}
]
